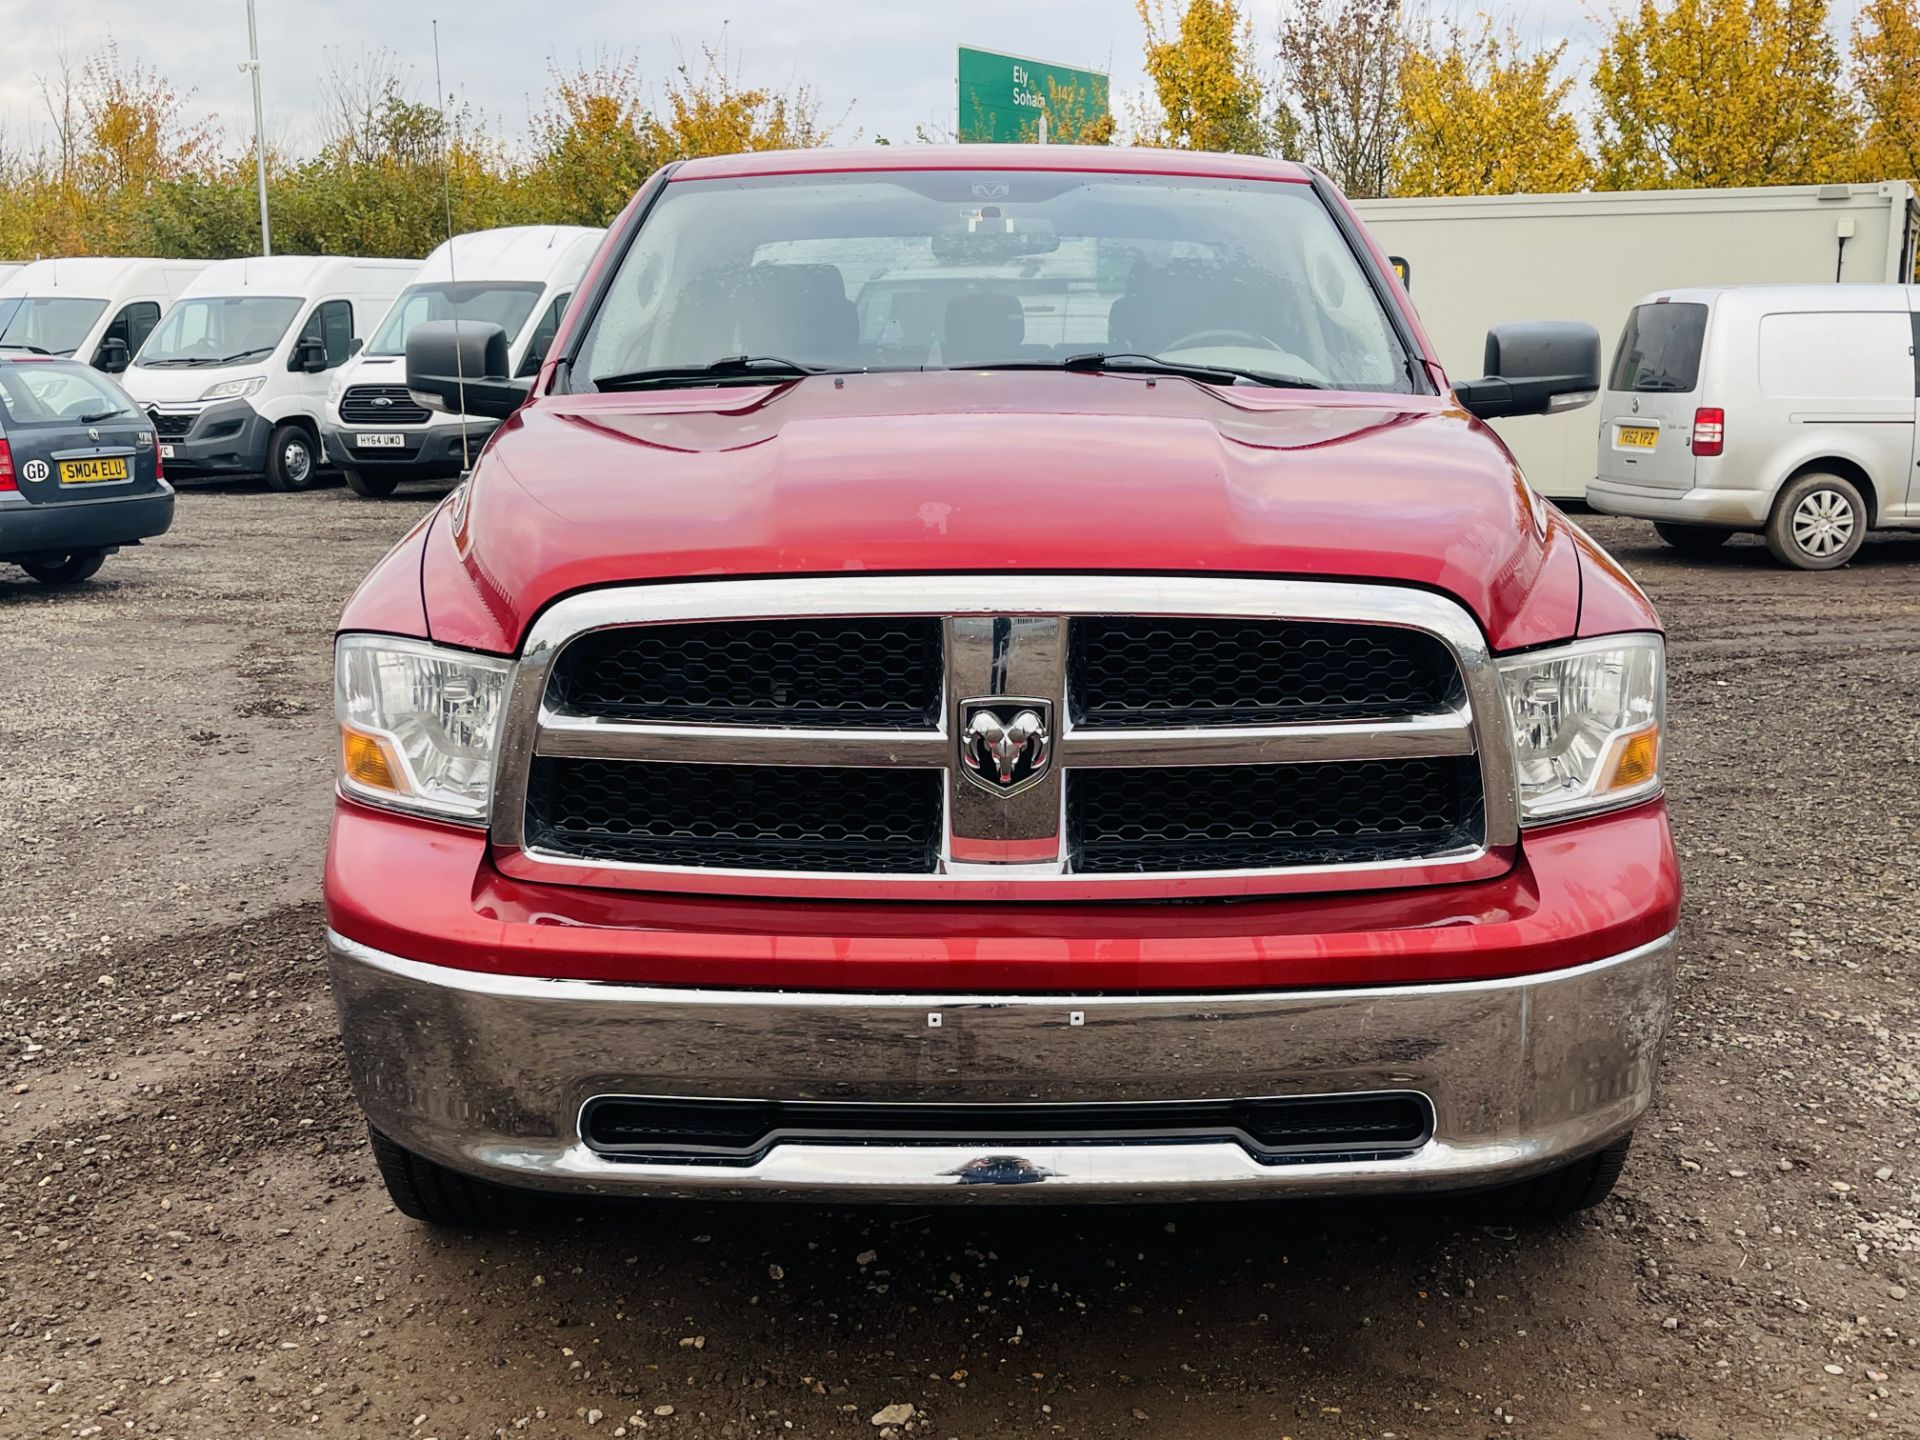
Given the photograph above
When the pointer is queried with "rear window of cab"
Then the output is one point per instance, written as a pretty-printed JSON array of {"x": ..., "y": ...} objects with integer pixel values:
[{"x": 1660, "y": 349}]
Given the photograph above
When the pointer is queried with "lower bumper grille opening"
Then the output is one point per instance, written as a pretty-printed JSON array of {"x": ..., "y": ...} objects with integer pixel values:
[{"x": 1276, "y": 1130}]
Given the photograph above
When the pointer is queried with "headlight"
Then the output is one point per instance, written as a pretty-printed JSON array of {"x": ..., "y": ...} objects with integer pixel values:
[
  {"x": 336, "y": 390},
  {"x": 1586, "y": 723},
  {"x": 418, "y": 725},
  {"x": 234, "y": 389}
]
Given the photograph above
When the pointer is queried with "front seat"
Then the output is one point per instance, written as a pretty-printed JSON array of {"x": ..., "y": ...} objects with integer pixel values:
[
  {"x": 798, "y": 312},
  {"x": 982, "y": 326}
]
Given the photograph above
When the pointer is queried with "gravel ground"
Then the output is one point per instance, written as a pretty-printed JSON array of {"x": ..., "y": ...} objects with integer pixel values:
[{"x": 192, "y": 1243}]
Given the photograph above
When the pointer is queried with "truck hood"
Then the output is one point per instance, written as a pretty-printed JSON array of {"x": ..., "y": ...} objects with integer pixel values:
[{"x": 991, "y": 471}]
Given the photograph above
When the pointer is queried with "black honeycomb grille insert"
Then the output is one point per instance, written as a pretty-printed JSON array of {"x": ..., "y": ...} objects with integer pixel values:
[
  {"x": 171, "y": 427},
  {"x": 746, "y": 817},
  {"x": 1146, "y": 671},
  {"x": 1246, "y": 817},
  {"x": 856, "y": 673}
]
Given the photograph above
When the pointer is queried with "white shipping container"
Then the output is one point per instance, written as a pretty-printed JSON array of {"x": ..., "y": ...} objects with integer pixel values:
[{"x": 1479, "y": 260}]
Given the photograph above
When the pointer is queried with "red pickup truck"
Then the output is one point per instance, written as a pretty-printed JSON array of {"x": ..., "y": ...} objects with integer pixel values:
[{"x": 998, "y": 673}]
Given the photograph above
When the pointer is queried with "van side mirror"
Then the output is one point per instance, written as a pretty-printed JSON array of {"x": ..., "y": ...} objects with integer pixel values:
[
  {"x": 461, "y": 367},
  {"x": 1537, "y": 367},
  {"x": 309, "y": 354},
  {"x": 355, "y": 346},
  {"x": 112, "y": 356}
]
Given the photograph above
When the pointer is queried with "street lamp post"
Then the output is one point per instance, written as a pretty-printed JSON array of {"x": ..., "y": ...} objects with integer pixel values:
[{"x": 259, "y": 130}]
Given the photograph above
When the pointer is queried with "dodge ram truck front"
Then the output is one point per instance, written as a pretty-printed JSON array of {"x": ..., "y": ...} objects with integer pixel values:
[{"x": 1005, "y": 673}]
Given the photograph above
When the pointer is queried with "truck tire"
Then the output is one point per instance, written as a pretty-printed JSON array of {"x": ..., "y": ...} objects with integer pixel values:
[
  {"x": 375, "y": 486},
  {"x": 293, "y": 460},
  {"x": 1692, "y": 539},
  {"x": 1563, "y": 1192},
  {"x": 1818, "y": 522},
  {"x": 428, "y": 1192},
  {"x": 69, "y": 569}
]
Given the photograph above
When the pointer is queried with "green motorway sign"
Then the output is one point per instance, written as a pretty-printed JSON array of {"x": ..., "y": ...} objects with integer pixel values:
[{"x": 1003, "y": 96}]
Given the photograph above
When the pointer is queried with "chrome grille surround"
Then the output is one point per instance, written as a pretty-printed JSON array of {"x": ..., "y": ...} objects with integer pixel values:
[{"x": 1006, "y": 635}]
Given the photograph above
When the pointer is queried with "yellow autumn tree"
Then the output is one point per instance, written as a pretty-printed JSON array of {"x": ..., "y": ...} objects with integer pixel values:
[
  {"x": 1487, "y": 116},
  {"x": 1722, "y": 92},
  {"x": 1341, "y": 61},
  {"x": 1207, "y": 89},
  {"x": 1886, "y": 65}
]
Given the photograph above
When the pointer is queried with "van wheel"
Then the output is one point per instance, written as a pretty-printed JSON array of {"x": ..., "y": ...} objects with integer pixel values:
[
  {"x": 425, "y": 1191},
  {"x": 69, "y": 569},
  {"x": 1818, "y": 523},
  {"x": 1559, "y": 1193},
  {"x": 1692, "y": 539},
  {"x": 292, "y": 461},
  {"x": 374, "y": 487}
]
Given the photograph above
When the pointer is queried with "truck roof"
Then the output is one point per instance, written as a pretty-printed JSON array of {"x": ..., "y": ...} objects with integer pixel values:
[
  {"x": 91, "y": 275},
  {"x": 1113, "y": 159},
  {"x": 513, "y": 252},
  {"x": 289, "y": 274}
]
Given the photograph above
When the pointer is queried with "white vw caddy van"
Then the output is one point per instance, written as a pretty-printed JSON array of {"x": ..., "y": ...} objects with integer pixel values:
[
  {"x": 519, "y": 278},
  {"x": 99, "y": 309},
  {"x": 236, "y": 375},
  {"x": 1782, "y": 409}
]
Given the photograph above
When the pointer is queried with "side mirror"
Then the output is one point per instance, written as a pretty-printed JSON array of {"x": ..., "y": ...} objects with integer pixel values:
[
  {"x": 460, "y": 367},
  {"x": 1539, "y": 367},
  {"x": 309, "y": 354},
  {"x": 112, "y": 356},
  {"x": 355, "y": 346}
]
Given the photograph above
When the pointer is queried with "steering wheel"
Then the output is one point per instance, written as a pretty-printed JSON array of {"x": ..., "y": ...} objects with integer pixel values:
[{"x": 1214, "y": 337}]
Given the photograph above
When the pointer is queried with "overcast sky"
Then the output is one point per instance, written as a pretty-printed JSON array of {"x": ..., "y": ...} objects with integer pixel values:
[{"x": 879, "y": 67}]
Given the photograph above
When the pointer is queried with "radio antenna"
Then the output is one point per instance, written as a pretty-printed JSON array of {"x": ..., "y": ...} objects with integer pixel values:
[{"x": 453, "y": 276}]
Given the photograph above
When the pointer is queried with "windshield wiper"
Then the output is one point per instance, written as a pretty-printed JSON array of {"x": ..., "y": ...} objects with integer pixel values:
[
  {"x": 727, "y": 367},
  {"x": 243, "y": 354},
  {"x": 105, "y": 414},
  {"x": 1129, "y": 362}
]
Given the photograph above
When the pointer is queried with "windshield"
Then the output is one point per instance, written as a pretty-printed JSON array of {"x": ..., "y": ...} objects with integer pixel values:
[
  {"x": 494, "y": 302},
  {"x": 929, "y": 269},
  {"x": 50, "y": 392},
  {"x": 55, "y": 325},
  {"x": 222, "y": 330}
]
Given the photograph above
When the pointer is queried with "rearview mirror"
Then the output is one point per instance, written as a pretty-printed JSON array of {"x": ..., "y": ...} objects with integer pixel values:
[
  {"x": 460, "y": 368},
  {"x": 1538, "y": 367},
  {"x": 309, "y": 354},
  {"x": 112, "y": 356}
]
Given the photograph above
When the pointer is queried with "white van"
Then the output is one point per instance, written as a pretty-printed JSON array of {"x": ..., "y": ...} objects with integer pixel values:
[
  {"x": 235, "y": 377},
  {"x": 99, "y": 309},
  {"x": 519, "y": 278},
  {"x": 1783, "y": 409}
]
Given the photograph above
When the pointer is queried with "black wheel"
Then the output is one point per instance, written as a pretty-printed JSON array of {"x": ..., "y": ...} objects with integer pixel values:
[
  {"x": 423, "y": 1190},
  {"x": 293, "y": 460},
  {"x": 1818, "y": 523},
  {"x": 1563, "y": 1192},
  {"x": 1692, "y": 539},
  {"x": 375, "y": 486},
  {"x": 69, "y": 569}
]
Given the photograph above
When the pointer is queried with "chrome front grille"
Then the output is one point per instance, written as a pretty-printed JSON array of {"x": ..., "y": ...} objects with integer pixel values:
[{"x": 1005, "y": 737}]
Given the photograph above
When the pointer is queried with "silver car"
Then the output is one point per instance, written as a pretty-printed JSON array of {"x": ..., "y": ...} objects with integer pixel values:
[{"x": 1782, "y": 409}]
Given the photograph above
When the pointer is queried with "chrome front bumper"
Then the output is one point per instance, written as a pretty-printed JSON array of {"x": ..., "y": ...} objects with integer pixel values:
[{"x": 488, "y": 1074}]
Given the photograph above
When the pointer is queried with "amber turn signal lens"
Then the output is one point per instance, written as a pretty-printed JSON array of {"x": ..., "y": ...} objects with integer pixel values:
[
  {"x": 366, "y": 761},
  {"x": 1637, "y": 759}
]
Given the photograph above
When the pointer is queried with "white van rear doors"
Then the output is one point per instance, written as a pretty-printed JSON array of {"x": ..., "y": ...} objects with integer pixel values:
[{"x": 1648, "y": 408}]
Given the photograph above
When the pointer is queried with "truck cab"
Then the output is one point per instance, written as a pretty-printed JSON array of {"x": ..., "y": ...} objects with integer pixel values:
[
  {"x": 519, "y": 278},
  {"x": 97, "y": 309},
  {"x": 236, "y": 376},
  {"x": 1115, "y": 727}
]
